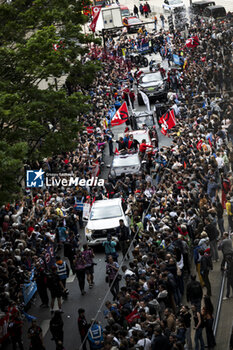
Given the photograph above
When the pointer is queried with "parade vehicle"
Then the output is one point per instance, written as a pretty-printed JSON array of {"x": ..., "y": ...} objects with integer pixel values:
[
  {"x": 197, "y": 8},
  {"x": 142, "y": 118},
  {"x": 132, "y": 23},
  {"x": 128, "y": 163},
  {"x": 104, "y": 220},
  {"x": 110, "y": 19},
  {"x": 170, "y": 5},
  {"x": 124, "y": 11},
  {"x": 153, "y": 85},
  {"x": 214, "y": 12}
]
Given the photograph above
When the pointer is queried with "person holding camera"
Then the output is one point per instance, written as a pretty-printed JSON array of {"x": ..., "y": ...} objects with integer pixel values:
[{"x": 110, "y": 248}]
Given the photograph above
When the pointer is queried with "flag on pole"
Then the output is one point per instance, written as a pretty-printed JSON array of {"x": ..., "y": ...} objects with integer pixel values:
[
  {"x": 95, "y": 13},
  {"x": 168, "y": 121},
  {"x": 120, "y": 116},
  {"x": 192, "y": 42},
  {"x": 199, "y": 144},
  {"x": 116, "y": 151},
  {"x": 145, "y": 100}
]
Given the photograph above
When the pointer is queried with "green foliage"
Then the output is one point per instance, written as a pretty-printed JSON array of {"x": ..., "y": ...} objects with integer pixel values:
[{"x": 40, "y": 123}]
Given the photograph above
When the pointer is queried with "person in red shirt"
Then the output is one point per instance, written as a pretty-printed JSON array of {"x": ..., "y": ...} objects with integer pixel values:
[
  {"x": 132, "y": 97},
  {"x": 143, "y": 146},
  {"x": 132, "y": 143}
]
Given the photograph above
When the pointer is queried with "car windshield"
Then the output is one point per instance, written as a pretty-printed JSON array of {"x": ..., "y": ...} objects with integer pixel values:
[
  {"x": 106, "y": 212},
  {"x": 123, "y": 161},
  {"x": 151, "y": 77},
  {"x": 125, "y": 12},
  {"x": 175, "y": 2},
  {"x": 134, "y": 21},
  {"x": 145, "y": 120}
]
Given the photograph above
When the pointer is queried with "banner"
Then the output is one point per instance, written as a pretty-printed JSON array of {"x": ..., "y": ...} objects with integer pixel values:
[
  {"x": 145, "y": 100},
  {"x": 143, "y": 48},
  {"x": 86, "y": 210},
  {"x": 29, "y": 289},
  {"x": 178, "y": 60},
  {"x": 120, "y": 116},
  {"x": 95, "y": 13}
]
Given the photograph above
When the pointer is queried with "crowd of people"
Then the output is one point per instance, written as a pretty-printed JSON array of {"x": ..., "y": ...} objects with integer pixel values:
[{"x": 174, "y": 206}]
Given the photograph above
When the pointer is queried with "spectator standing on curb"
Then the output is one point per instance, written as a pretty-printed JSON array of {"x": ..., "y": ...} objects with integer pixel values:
[
  {"x": 198, "y": 326},
  {"x": 226, "y": 247},
  {"x": 229, "y": 269},
  {"x": 194, "y": 293},
  {"x": 207, "y": 313},
  {"x": 229, "y": 209},
  {"x": 206, "y": 266},
  {"x": 141, "y": 9},
  {"x": 83, "y": 327}
]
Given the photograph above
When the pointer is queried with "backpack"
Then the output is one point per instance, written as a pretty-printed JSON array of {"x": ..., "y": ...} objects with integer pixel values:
[{"x": 231, "y": 207}]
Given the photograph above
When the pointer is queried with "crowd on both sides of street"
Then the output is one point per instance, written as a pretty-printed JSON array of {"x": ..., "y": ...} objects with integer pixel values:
[{"x": 183, "y": 211}]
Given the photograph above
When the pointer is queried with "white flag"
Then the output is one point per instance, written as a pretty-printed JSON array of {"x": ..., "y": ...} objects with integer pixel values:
[{"x": 145, "y": 100}]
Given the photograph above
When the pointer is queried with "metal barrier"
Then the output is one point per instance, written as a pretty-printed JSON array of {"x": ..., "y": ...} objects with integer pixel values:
[{"x": 219, "y": 306}]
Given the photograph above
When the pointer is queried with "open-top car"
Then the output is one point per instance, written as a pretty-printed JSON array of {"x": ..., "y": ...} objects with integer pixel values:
[
  {"x": 142, "y": 118},
  {"x": 104, "y": 220},
  {"x": 153, "y": 85},
  {"x": 170, "y": 5},
  {"x": 125, "y": 164},
  {"x": 132, "y": 23}
]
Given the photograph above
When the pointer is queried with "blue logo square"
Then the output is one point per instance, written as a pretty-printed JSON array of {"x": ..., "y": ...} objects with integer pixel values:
[{"x": 35, "y": 178}]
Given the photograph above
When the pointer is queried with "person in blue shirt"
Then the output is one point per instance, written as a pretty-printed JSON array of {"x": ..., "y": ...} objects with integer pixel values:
[{"x": 95, "y": 336}]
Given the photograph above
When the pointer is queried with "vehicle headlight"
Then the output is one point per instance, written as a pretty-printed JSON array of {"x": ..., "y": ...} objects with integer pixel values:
[{"x": 88, "y": 231}]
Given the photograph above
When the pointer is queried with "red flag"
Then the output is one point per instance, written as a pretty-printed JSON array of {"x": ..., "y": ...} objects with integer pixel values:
[
  {"x": 90, "y": 129},
  {"x": 168, "y": 121},
  {"x": 95, "y": 13},
  {"x": 120, "y": 116},
  {"x": 134, "y": 314},
  {"x": 185, "y": 165},
  {"x": 192, "y": 42},
  {"x": 199, "y": 144},
  {"x": 116, "y": 151}
]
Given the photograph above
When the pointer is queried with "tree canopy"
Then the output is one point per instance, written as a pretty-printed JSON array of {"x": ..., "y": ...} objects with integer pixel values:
[{"x": 41, "y": 40}]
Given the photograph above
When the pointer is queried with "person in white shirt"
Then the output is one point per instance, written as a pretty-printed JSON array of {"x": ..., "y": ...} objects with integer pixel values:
[{"x": 144, "y": 342}]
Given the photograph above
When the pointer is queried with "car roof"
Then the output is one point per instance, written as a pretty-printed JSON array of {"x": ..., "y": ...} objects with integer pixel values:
[
  {"x": 106, "y": 202},
  {"x": 138, "y": 132},
  {"x": 139, "y": 114},
  {"x": 123, "y": 7},
  {"x": 215, "y": 7}
]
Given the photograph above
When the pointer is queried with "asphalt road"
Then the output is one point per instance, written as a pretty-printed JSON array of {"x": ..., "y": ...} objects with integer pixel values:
[{"x": 94, "y": 300}]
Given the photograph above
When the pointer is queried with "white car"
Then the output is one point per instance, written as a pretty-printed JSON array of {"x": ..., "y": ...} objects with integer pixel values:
[
  {"x": 171, "y": 5},
  {"x": 104, "y": 220},
  {"x": 125, "y": 164}
]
